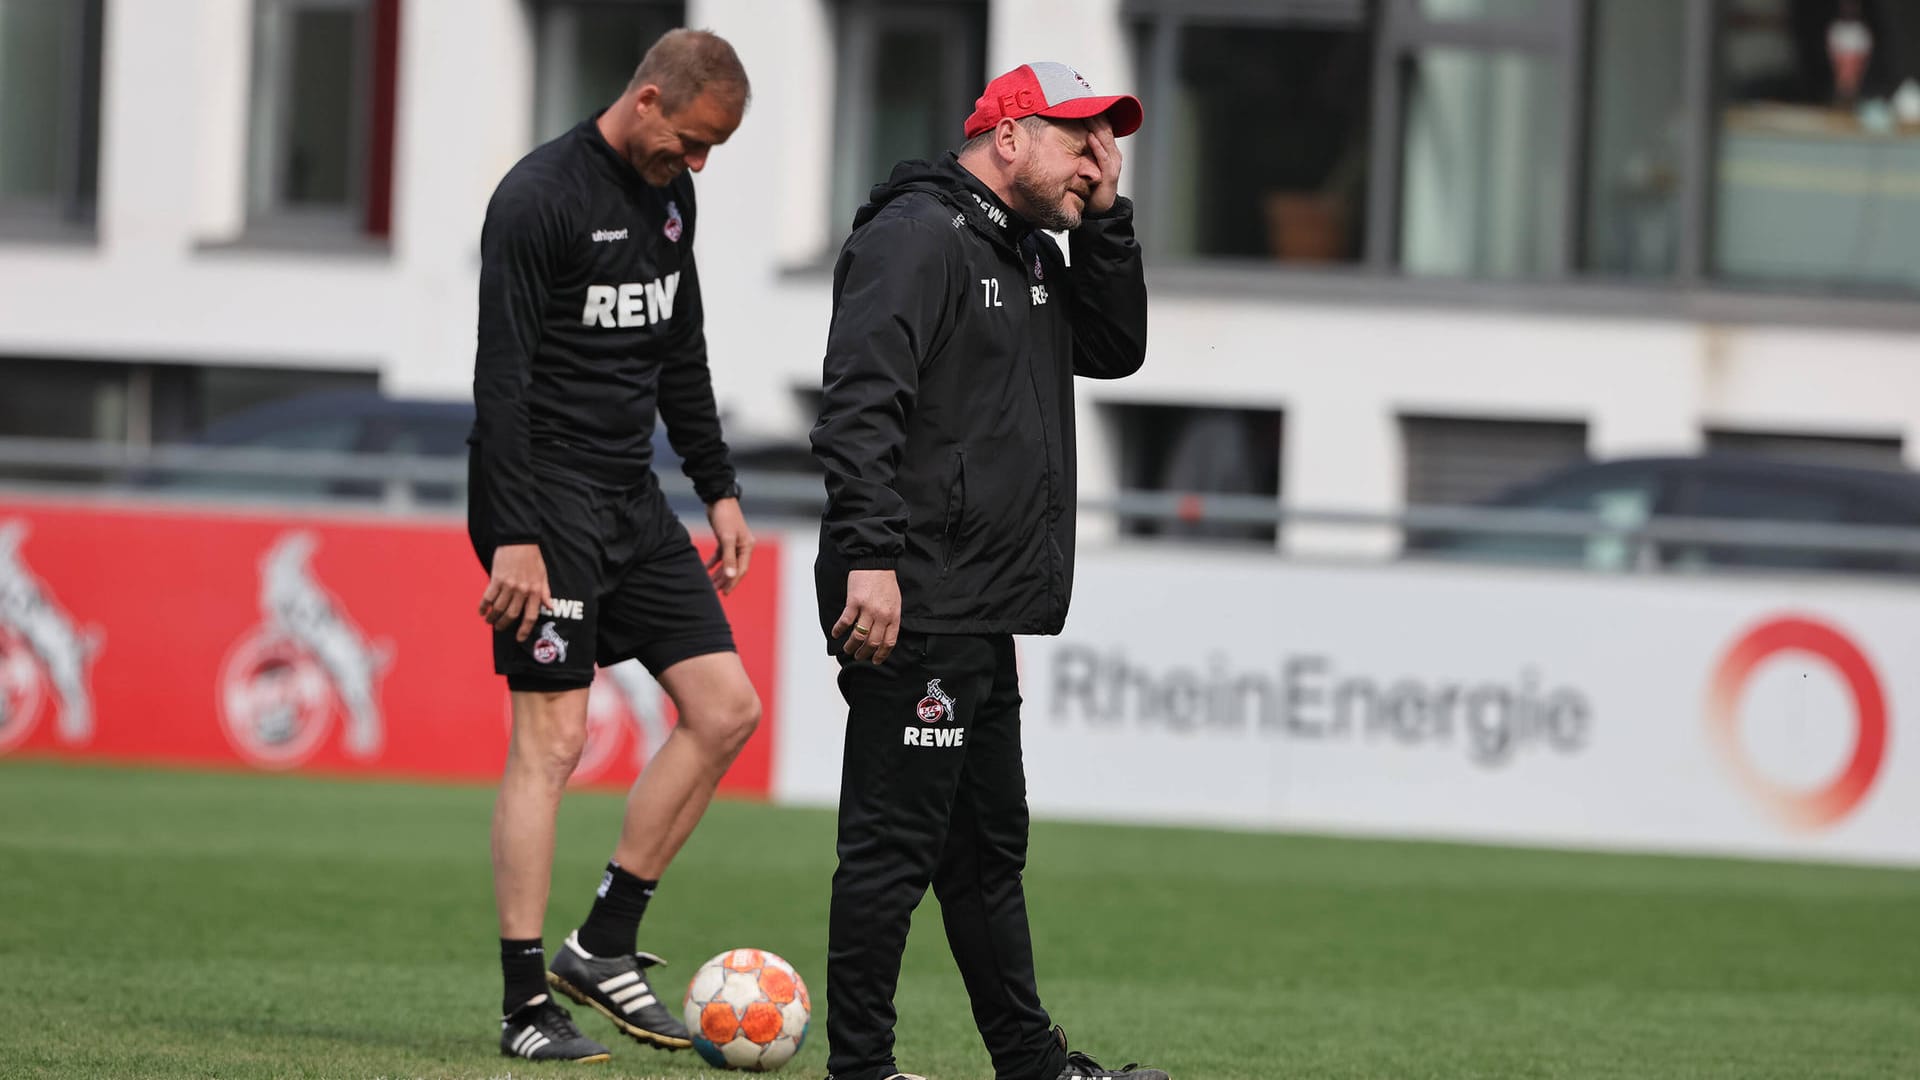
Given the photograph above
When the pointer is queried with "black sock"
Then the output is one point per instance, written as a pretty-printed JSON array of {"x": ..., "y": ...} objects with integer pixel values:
[
  {"x": 524, "y": 965},
  {"x": 614, "y": 922}
]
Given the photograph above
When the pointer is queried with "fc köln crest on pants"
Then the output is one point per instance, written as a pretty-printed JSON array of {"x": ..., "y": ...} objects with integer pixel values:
[{"x": 936, "y": 707}]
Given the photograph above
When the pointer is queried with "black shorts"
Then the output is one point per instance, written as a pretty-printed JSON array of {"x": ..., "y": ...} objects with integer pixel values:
[{"x": 625, "y": 580}]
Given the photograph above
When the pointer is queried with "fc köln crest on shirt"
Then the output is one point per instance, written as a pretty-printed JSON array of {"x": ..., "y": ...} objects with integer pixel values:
[{"x": 674, "y": 224}]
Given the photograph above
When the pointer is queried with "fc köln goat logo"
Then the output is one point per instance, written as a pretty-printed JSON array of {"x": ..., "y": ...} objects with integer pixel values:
[
  {"x": 674, "y": 225},
  {"x": 284, "y": 683},
  {"x": 44, "y": 656},
  {"x": 936, "y": 707}
]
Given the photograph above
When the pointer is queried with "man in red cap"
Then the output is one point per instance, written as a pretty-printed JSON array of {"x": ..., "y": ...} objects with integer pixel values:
[{"x": 946, "y": 433}]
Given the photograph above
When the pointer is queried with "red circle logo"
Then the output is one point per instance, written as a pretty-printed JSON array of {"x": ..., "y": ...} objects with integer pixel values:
[
  {"x": 930, "y": 710},
  {"x": 276, "y": 702},
  {"x": 1838, "y": 797}
]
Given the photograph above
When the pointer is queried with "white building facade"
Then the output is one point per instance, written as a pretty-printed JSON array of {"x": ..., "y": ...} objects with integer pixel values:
[{"x": 1381, "y": 230}]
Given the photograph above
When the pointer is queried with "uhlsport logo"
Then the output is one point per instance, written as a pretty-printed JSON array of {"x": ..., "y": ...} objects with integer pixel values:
[
  {"x": 41, "y": 650},
  {"x": 285, "y": 681},
  {"x": 1834, "y": 800}
]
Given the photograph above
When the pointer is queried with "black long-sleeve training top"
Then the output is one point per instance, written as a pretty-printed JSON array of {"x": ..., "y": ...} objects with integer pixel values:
[
  {"x": 590, "y": 320},
  {"x": 946, "y": 423}
]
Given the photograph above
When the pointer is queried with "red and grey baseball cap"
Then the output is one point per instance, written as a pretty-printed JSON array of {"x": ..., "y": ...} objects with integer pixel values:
[{"x": 1055, "y": 91}]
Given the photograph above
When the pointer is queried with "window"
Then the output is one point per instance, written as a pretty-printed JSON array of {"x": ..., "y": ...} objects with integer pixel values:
[
  {"x": 1476, "y": 113},
  {"x": 49, "y": 114},
  {"x": 1819, "y": 143},
  {"x": 1200, "y": 450},
  {"x": 1261, "y": 147},
  {"x": 112, "y": 401},
  {"x": 1453, "y": 460},
  {"x": 137, "y": 403},
  {"x": 1430, "y": 136},
  {"x": 1483, "y": 9},
  {"x": 588, "y": 52},
  {"x": 909, "y": 74},
  {"x": 1637, "y": 158},
  {"x": 1820, "y": 449},
  {"x": 1757, "y": 144},
  {"x": 1482, "y": 188},
  {"x": 323, "y": 111},
  {"x": 55, "y": 399}
]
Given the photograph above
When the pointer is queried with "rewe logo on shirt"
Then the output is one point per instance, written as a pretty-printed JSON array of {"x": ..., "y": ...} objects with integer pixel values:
[{"x": 635, "y": 303}]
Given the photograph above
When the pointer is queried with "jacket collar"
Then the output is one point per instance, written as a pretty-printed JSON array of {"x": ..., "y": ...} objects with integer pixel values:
[
  {"x": 608, "y": 160},
  {"x": 984, "y": 210}
]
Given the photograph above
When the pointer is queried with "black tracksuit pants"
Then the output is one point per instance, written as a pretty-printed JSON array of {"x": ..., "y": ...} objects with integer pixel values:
[{"x": 933, "y": 790}]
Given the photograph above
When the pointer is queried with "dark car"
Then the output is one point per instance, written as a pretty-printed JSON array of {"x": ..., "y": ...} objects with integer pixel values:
[
  {"x": 340, "y": 422},
  {"x": 369, "y": 423},
  {"x": 1633, "y": 492}
]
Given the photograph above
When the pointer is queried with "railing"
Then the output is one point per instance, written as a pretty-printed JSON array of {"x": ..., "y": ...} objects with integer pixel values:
[
  {"x": 419, "y": 483},
  {"x": 1641, "y": 537}
]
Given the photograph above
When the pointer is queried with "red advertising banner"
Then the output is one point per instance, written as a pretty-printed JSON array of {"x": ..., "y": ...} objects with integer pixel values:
[{"x": 289, "y": 641}]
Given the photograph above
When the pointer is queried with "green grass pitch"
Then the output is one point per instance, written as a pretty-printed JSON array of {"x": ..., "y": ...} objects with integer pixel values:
[{"x": 183, "y": 924}]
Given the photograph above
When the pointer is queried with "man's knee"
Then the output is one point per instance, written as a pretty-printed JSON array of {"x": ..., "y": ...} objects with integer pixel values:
[
  {"x": 550, "y": 731},
  {"x": 735, "y": 719},
  {"x": 718, "y": 706}
]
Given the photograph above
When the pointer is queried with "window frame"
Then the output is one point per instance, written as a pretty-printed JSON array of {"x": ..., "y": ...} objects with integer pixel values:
[
  {"x": 1558, "y": 36},
  {"x": 1161, "y": 24},
  {"x": 1563, "y": 30},
  {"x": 71, "y": 212},
  {"x": 365, "y": 218},
  {"x": 858, "y": 25},
  {"x": 550, "y": 55}
]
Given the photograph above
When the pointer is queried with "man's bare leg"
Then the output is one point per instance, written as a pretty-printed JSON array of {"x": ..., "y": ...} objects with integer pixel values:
[
  {"x": 596, "y": 965},
  {"x": 549, "y": 730},
  {"x": 718, "y": 711}
]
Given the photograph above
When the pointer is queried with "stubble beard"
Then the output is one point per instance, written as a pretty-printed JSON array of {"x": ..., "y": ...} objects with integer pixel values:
[{"x": 1046, "y": 209}]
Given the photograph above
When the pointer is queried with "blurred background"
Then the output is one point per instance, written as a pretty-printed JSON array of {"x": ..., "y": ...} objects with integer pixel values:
[
  {"x": 1403, "y": 253},
  {"x": 1524, "y": 456},
  {"x": 1603, "y": 290},
  {"x": 1607, "y": 290}
]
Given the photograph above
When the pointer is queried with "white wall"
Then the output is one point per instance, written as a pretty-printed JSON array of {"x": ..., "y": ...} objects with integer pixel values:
[{"x": 159, "y": 285}]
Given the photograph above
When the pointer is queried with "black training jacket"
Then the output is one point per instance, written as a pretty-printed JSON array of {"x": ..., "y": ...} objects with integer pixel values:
[
  {"x": 590, "y": 319},
  {"x": 946, "y": 423}
]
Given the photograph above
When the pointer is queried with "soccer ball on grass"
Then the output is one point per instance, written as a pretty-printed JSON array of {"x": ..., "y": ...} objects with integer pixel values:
[{"x": 747, "y": 1009}]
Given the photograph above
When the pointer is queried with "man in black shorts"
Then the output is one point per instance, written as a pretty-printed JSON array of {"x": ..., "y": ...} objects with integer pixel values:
[{"x": 590, "y": 318}]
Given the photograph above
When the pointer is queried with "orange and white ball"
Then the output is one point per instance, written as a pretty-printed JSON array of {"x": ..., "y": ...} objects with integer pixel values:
[{"x": 747, "y": 1009}]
